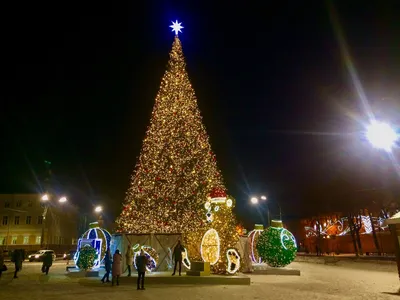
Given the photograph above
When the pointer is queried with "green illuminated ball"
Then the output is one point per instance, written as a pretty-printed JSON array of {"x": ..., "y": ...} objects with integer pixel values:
[
  {"x": 277, "y": 247},
  {"x": 87, "y": 256}
]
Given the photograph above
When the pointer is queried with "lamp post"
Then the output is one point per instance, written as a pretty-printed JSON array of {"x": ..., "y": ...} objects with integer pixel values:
[
  {"x": 45, "y": 199},
  {"x": 98, "y": 211},
  {"x": 254, "y": 200}
]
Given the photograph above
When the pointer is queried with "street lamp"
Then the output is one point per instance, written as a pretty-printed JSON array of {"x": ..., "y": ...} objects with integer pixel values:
[
  {"x": 381, "y": 135},
  {"x": 45, "y": 199},
  {"x": 98, "y": 209},
  {"x": 254, "y": 200}
]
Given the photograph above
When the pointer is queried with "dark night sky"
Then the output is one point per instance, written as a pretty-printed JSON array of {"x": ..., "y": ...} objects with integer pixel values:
[{"x": 80, "y": 82}]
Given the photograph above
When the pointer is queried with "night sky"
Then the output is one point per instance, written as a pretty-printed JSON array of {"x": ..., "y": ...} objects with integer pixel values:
[{"x": 275, "y": 92}]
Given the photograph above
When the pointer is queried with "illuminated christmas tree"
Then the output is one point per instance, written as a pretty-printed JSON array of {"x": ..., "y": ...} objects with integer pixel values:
[{"x": 176, "y": 169}]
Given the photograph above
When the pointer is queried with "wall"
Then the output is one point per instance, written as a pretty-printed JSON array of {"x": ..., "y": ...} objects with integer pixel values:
[{"x": 344, "y": 244}]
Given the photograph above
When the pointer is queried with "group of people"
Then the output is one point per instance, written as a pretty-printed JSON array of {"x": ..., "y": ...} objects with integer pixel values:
[
  {"x": 114, "y": 265},
  {"x": 18, "y": 256}
]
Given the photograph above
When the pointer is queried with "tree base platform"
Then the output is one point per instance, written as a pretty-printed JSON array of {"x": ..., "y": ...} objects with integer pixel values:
[
  {"x": 166, "y": 278},
  {"x": 264, "y": 269}
]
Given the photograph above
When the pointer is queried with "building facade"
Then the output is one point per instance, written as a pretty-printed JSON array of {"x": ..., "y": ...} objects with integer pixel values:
[{"x": 28, "y": 223}]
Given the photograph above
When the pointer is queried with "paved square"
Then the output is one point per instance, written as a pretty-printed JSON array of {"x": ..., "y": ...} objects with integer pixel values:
[{"x": 344, "y": 281}]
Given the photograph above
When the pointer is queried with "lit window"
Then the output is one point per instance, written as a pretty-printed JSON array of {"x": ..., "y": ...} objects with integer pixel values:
[
  {"x": 40, "y": 220},
  {"x": 2, "y": 240},
  {"x": 5, "y": 220},
  {"x": 28, "y": 220},
  {"x": 16, "y": 220},
  {"x": 14, "y": 240},
  {"x": 38, "y": 239},
  {"x": 26, "y": 240}
]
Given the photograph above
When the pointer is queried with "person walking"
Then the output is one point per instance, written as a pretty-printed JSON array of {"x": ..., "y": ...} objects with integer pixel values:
[
  {"x": 178, "y": 257},
  {"x": 129, "y": 259},
  {"x": 116, "y": 267},
  {"x": 141, "y": 263},
  {"x": 17, "y": 258},
  {"x": 107, "y": 265},
  {"x": 47, "y": 262}
]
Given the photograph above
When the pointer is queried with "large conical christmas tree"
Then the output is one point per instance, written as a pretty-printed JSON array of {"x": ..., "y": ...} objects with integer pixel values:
[{"x": 176, "y": 169}]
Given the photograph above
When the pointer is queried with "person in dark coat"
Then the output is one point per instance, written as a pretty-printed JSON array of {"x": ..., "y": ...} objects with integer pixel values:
[
  {"x": 178, "y": 257},
  {"x": 141, "y": 263},
  {"x": 107, "y": 266},
  {"x": 47, "y": 262},
  {"x": 17, "y": 258}
]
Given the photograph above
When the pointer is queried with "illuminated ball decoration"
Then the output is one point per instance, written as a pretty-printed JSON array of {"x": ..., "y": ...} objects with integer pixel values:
[
  {"x": 210, "y": 246},
  {"x": 86, "y": 258},
  {"x": 277, "y": 246},
  {"x": 254, "y": 235},
  {"x": 96, "y": 232}
]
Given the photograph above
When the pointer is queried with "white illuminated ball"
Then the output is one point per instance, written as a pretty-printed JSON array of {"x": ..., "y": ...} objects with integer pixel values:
[
  {"x": 229, "y": 202},
  {"x": 254, "y": 200}
]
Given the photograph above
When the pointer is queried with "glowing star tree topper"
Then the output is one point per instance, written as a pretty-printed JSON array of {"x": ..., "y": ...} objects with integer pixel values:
[{"x": 177, "y": 27}]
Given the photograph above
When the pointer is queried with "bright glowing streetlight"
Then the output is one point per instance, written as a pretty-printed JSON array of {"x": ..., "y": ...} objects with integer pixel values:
[
  {"x": 98, "y": 209},
  {"x": 62, "y": 199},
  {"x": 381, "y": 135},
  {"x": 264, "y": 198},
  {"x": 45, "y": 197},
  {"x": 254, "y": 200}
]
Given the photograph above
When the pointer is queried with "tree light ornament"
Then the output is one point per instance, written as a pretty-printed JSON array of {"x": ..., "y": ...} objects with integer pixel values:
[{"x": 277, "y": 246}]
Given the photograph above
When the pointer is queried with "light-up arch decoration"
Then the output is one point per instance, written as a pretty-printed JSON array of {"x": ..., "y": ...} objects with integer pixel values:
[
  {"x": 98, "y": 238},
  {"x": 151, "y": 255},
  {"x": 210, "y": 247}
]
